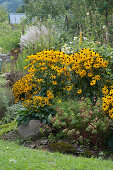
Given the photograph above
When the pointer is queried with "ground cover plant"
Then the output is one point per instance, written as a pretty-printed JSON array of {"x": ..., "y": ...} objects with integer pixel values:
[{"x": 13, "y": 156}]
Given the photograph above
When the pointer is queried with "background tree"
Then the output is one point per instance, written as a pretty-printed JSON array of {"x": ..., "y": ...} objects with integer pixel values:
[{"x": 3, "y": 15}]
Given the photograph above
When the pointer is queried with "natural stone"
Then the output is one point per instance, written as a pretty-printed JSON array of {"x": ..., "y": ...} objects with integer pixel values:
[
  {"x": 32, "y": 130},
  {"x": 62, "y": 147}
]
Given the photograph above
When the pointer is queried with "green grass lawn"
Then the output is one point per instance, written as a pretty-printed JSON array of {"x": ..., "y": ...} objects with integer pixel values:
[{"x": 15, "y": 157}]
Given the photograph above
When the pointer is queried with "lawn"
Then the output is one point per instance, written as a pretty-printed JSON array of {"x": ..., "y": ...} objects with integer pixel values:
[{"x": 15, "y": 157}]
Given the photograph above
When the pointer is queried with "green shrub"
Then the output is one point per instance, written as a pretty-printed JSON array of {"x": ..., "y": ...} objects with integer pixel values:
[{"x": 87, "y": 126}]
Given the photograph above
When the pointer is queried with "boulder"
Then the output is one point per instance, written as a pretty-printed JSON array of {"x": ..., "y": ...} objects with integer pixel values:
[{"x": 32, "y": 130}]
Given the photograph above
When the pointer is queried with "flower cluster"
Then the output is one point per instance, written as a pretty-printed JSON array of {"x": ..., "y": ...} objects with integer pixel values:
[
  {"x": 108, "y": 100},
  {"x": 54, "y": 73}
]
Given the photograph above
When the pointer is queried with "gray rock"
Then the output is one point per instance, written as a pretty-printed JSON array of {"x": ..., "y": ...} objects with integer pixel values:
[
  {"x": 32, "y": 130},
  {"x": 44, "y": 142}
]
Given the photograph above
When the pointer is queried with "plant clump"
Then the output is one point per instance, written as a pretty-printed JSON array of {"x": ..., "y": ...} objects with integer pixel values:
[
  {"x": 39, "y": 37},
  {"x": 86, "y": 125},
  {"x": 55, "y": 74}
]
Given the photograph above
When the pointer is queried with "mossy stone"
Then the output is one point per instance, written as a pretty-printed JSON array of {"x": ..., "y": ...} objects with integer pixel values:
[
  {"x": 87, "y": 153},
  {"x": 63, "y": 147}
]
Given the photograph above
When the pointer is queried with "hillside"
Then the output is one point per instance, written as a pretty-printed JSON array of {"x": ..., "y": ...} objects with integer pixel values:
[{"x": 10, "y": 5}]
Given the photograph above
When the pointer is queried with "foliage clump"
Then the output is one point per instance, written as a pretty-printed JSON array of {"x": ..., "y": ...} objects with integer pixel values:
[
  {"x": 4, "y": 128},
  {"x": 86, "y": 125}
]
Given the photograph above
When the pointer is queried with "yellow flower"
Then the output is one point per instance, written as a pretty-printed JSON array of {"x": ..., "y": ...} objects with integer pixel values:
[
  {"x": 93, "y": 82},
  {"x": 90, "y": 74},
  {"x": 39, "y": 80},
  {"x": 96, "y": 77},
  {"x": 69, "y": 88},
  {"x": 79, "y": 91},
  {"x": 96, "y": 65},
  {"x": 105, "y": 90},
  {"x": 59, "y": 101},
  {"x": 111, "y": 92},
  {"x": 111, "y": 113},
  {"x": 87, "y": 65},
  {"x": 105, "y": 63},
  {"x": 54, "y": 82},
  {"x": 82, "y": 73},
  {"x": 53, "y": 76}
]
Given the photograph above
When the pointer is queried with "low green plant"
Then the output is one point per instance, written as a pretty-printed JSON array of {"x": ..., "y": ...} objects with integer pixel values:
[
  {"x": 88, "y": 125},
  {"x": 87, "y": 153},
  {"x": 11, "y": 113},
  {"x": 4, "y": 128},
  {"x": 41, "y": 113}
]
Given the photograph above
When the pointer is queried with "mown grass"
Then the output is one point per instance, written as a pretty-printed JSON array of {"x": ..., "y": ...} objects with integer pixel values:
[{"x": 15, "y": 157}]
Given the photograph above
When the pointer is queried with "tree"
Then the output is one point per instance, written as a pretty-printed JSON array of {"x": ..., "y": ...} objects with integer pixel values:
[
  {"x": 103, "y": 6},
  {"x": 3, "y": 14},
  {"x": 43, "y": 8}
]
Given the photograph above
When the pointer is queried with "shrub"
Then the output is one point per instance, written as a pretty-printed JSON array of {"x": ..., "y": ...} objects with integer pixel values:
[
  {"x": 87, "y": 126},
  {"x": 53, "y": 73},
  {"x": 20, "y": 62}
]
